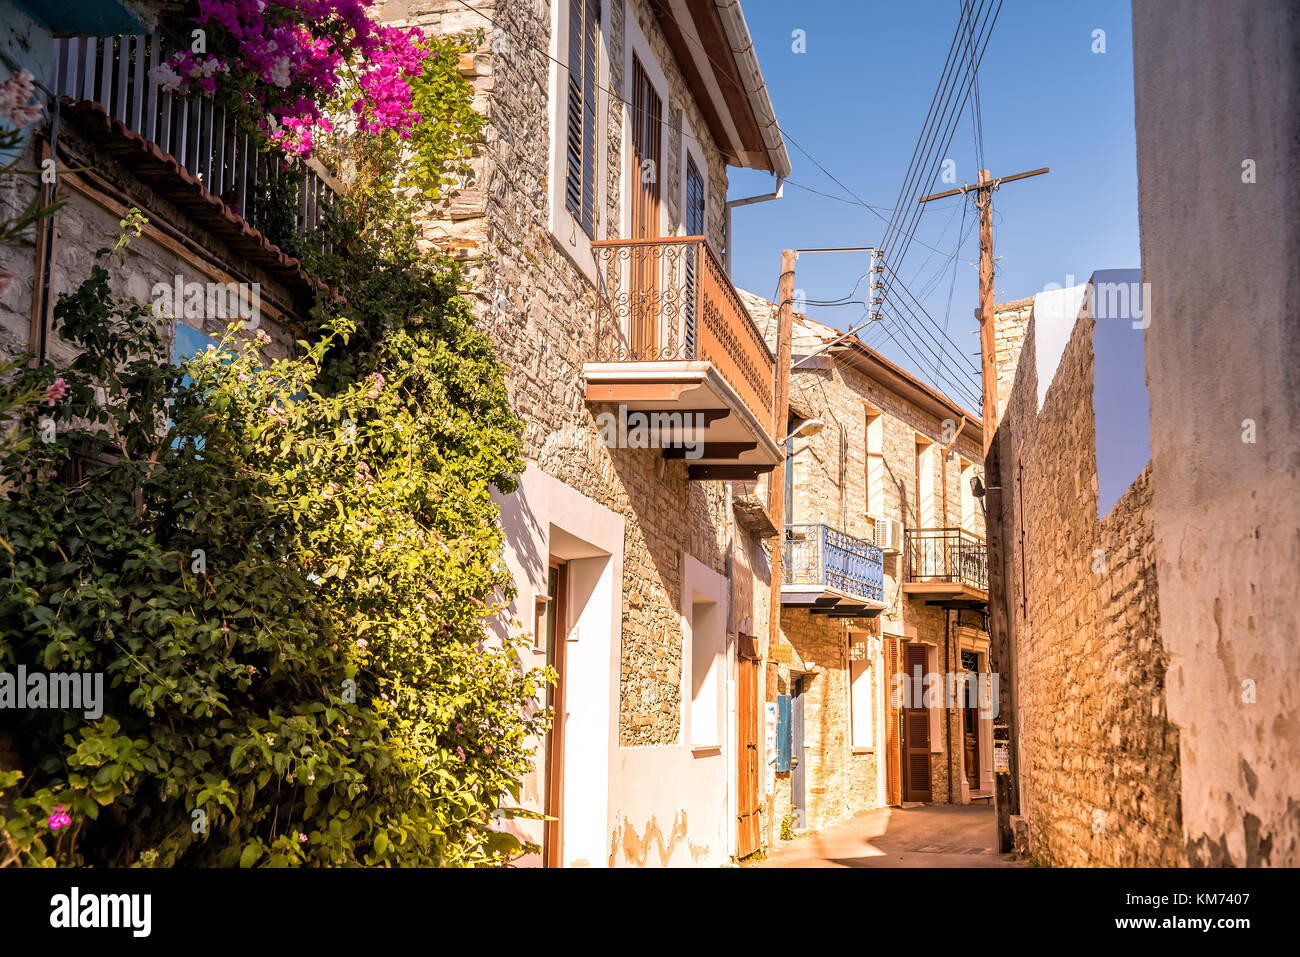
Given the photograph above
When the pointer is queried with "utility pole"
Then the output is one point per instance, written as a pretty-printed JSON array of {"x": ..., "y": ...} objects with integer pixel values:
[
  {"x": 780, "y": 417},
  {"x": 776, "y": 490},
  {"x": 1007, "y": 793}
]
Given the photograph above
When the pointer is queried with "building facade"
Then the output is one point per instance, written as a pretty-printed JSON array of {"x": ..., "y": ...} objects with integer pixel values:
[
  {"x": 884, "y": 573},
  {"x": 595, "y": 223}
]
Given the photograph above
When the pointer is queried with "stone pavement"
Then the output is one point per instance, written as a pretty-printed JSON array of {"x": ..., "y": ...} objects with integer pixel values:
[{"x": 921, "y": 836}]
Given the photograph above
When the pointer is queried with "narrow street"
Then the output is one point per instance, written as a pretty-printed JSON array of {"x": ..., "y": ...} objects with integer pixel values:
[{"x": 926, "y": 836}]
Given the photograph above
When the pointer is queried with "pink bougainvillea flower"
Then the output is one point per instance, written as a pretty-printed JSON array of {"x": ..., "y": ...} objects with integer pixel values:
[
  {"x": 56, "y": 391},
  {"x": 460, "y": 753},
  {"x": 363, "y": 644},
  {"x": 263, "y": 338},
  {"x": 302, "y": 838},
  {"x": 59, "y": 818}
]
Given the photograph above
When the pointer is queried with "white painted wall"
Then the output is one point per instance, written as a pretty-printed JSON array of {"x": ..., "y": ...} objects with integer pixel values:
[
  {"x": 1217, "y": 84},
  {"x": 545, "y": 517},
  {"x": 671, "y": 805}
]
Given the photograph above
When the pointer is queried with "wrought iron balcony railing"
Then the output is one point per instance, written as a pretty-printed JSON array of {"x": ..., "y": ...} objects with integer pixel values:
[
  {"x": 662, "y": 300},
  {"x": 947, "y": 555},
  {"x": 197, "y": 131},
  {"x": 819, "y": 555}
]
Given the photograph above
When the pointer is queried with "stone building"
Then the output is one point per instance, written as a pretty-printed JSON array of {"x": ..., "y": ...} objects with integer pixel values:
[
  {"x": 1151, "y": 480},
  {"x": 596, "y": 222},
  {"x": 884, "y": 571}
]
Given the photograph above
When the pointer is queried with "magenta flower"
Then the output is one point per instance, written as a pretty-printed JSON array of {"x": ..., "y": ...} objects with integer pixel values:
[
  {"x": 460, "y": 753},
  {"x": 263, "y": 338},
  {"x": 60, "y": 818}
]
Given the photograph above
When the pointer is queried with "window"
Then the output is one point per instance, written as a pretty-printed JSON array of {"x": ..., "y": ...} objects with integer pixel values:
[
  {"x": 923, "y": 507},
  {"x": 967, "y": 496},
  {"x": 861, "y": 693},
  {"x": 875, "y": 464},
  {"x": 580, "y": 134},
  {"x": 694, "y": 227},
  {"x": 694, "y": 200},
  {"x": 707, "y": 645}
]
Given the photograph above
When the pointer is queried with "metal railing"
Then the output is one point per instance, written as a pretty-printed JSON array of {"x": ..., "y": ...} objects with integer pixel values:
[
  {"x": 820, "y": 555},
  {"x": 947, "y": 555},
  {"x": 662, "y": 300},
  {"x": 196, "y": 130}
]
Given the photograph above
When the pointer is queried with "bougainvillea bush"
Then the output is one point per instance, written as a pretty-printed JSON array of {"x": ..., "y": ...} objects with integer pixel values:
[
  {"x": 283, "y": 570},
  {"x": 285, "y": 62}
]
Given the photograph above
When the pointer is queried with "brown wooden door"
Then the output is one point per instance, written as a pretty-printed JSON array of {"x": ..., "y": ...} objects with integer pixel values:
[
  {"x": 970, "y": 722},
  {"x": 916, "y": 729},
  {"x": 556, "y": 623},
  {"x": 748, "y": 839},
  {"x": 893, "y": 729},
  {"x": 647, "y": 135}
]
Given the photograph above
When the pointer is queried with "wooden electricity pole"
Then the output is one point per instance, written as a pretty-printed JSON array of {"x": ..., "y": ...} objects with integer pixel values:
[
  {"x": 776, "y": 488},
  {"x": 780, "y": 418},
  {"x": 1007, "y": 793}
]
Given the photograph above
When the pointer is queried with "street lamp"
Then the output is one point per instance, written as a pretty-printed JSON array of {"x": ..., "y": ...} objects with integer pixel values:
[{"x": 805, "y": 428}]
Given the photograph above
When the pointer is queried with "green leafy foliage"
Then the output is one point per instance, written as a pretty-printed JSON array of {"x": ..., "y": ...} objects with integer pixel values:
[{"x": 284, "y": 574}]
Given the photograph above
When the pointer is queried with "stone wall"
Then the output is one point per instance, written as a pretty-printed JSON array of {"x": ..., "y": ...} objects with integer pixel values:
[
  {"x": 500, "y": 225},
  {"x": 1098, "y": 755}
]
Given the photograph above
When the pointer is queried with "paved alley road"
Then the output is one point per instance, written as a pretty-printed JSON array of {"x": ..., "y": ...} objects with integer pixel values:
[{"x": 936, "y": 836}]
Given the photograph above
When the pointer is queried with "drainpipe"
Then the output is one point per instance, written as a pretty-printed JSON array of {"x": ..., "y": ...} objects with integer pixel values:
[
  {"x": 747, "y": 201},
  {"x": 733, "y": 671},
  {"x": 947, "y": 712}
]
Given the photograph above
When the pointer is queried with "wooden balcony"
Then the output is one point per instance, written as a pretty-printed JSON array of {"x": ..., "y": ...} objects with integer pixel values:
[
  {"x": 672, "y": 339},
  {"x": 111, "y": 74},
  {"x": 947, "y": 567}
]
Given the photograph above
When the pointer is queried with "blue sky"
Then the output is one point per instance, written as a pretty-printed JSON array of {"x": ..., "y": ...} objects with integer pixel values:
[{"x": 856, "y": 100}]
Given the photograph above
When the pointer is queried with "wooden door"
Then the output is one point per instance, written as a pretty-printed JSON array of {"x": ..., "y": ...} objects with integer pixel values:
[
  {"x": 893, "y": 735},
  {"x": 556, "y": 623},
  {"x": 916, "y": 729},
  {"x": 748, "y": 789},
  {"x": 647, "y": 135},
  {"x": 970, "y": 722}
]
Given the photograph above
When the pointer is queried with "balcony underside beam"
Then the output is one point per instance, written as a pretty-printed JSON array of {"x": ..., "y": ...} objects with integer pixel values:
[
  {"x": 848, "y": 611},
  {"x": 709, "y": 450},
  {"x": 727, "y": 473}
]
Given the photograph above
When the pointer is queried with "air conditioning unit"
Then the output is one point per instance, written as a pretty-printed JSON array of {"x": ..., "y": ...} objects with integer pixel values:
[{"x": 889, "y": 535}]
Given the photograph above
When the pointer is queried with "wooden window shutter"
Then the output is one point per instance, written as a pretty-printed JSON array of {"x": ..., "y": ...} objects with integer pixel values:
[{"x": 580, "y": 133}]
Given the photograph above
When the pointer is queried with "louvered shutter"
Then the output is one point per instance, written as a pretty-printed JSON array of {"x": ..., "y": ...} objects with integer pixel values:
[
  {"x": 580, "y": 131},
  {"x": 916, "y": 728}
]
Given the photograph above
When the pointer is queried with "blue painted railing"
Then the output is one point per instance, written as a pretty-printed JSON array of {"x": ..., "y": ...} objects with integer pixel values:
[{"x": 819, "y": 555}]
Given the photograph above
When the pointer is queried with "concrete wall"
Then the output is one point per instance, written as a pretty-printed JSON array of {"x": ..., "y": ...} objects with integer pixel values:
[{"x": 1218, "y": 84}]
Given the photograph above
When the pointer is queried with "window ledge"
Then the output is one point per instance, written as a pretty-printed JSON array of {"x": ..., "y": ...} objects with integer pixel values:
[
  {"x": 705, "y": 750},
  {"x": 861, "y": 750}
]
